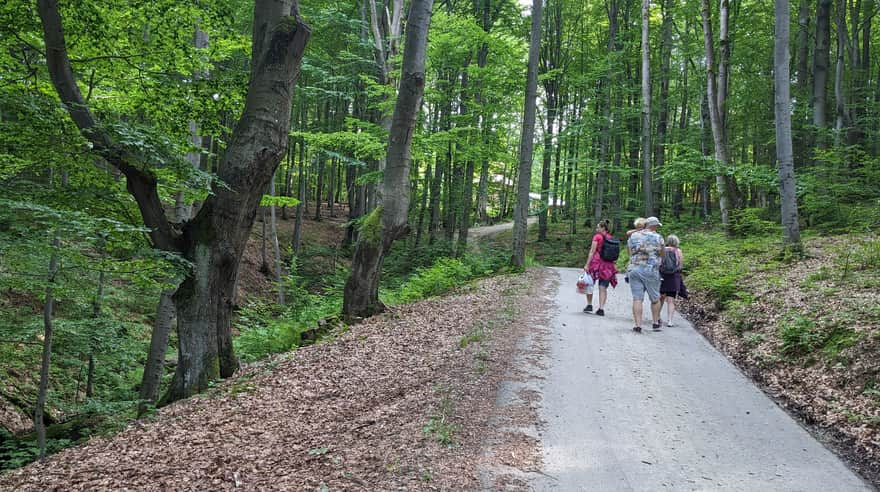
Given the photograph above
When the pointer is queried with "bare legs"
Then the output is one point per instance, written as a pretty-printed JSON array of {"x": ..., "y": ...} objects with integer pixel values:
[
  {"x": 670, "y": 309},
  {"x": 637, "y": 312}
]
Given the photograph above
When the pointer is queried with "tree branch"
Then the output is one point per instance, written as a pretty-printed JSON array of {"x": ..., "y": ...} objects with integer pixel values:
[{"x": 139, "y": 183}]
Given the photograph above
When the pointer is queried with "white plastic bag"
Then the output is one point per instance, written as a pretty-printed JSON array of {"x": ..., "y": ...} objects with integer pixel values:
[{"x": 585, "y": 284}]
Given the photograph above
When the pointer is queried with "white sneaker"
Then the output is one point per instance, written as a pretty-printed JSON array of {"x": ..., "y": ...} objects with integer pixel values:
[{"x": 669, "y": 324}]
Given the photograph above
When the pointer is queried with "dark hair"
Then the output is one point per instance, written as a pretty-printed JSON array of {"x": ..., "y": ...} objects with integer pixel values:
[{"x": 605, "y": 224}]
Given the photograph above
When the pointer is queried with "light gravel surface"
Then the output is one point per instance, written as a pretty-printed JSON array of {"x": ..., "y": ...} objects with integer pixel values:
[{"x": 663, "y": 411}]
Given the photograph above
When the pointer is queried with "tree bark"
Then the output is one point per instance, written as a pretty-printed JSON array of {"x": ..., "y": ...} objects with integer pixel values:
[
  {"x": 716, "y": 102},
  {"x": 149, "y": 390},
  {"x": 821, "y": 63},
  {"x": 361, "y": 294},
  {"x": 784, "y": 152},
  {"x": 214, "y": 240},
  {"x": 839, "y": 90},
  {"x": 527, "y": 142},
  {"x": 45, "y": 360},
  {"x": 803, "y": 45},
  {"x": 276, "y": 250},
  {"x": 647, "y": 178}
]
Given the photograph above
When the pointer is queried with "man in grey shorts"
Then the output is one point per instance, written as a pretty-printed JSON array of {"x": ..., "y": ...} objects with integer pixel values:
[{"x": 646, "y": 249}]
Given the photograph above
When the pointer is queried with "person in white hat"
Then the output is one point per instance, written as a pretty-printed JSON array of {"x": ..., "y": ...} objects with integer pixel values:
[{"x": 646, "y": 249}]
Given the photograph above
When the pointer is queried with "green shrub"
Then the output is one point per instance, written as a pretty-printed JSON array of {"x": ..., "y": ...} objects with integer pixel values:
[
  {"x": 750, "y": 222},
  {"x": 445, "y": 274},
  {"x": 800, "y": 336}
]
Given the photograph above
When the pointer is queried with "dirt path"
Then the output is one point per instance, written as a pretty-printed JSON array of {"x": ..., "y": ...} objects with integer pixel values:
[
  {"x": 663, "y": 411},
  {"x": 480, "y": 232}
]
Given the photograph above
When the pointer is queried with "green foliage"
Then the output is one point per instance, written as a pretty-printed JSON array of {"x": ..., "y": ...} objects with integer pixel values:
[
  {"x": 750, "y": 222},
  {"x": 15, "y": 453},
  {"x": 444, "y": 275},
  {"x": 266, "y": 328},
  {"x": 841, "y": 195},
  {"x": 802, "y": 336},
  {"x": 440, "y": 425},
  {"x": 278, "y": 201}
]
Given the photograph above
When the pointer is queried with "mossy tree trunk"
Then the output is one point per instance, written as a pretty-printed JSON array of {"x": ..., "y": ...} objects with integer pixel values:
[
  {"x": 213, "y": 241},
  {"x": 389, "y": 221}
]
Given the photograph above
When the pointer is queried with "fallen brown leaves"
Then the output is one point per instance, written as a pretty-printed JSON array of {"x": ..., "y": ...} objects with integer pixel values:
[
  {"x": 349, "y": 414},
  {"x": 828, "y": 391}
]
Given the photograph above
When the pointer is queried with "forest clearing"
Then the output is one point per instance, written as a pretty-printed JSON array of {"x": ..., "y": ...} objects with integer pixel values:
[{"x": 240, "y": 235}]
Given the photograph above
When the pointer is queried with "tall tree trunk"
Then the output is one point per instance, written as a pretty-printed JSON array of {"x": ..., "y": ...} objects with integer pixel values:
[
  {"x": 839, "y": 94},
  {"x": 300, "y": 207},
  {"x": 612, "y": 7},
  {"x": 204, "y": 299},
  {"x": 663, "y": 116},
  {"x": 437, "y": 181},
  {"x": 803, "y": 47},
  {"x": 273, "y": 230},
  {"x": 361, "y": 294},
  {"x": 784, "y": 154},
  {"x": 716, "y": 103},
  {"x": 527, "y": 142},
  {"x": 48, "y": 332},
  {"x": 423, "y": 207},
  {"x": 319, "y": 187},
  {"x": 647, "y": 178},
  {"x": 821, "y": 64}
]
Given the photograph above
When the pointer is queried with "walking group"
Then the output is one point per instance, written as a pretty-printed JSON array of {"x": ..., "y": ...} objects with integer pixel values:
[{"x": 654, "y": 270}]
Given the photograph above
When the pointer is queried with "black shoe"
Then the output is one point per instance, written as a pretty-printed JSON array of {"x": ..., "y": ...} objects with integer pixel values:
[
  {"x": 600, "y": 312},
  {"x": 655, "y": 326},
  {"x": 637, "y": 329},
  {"x": 626, "y": 279},
  {"x": 589, "y": 308}
]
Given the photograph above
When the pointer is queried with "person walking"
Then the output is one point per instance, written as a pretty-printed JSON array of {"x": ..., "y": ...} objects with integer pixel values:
[
  {"x": 600, "y": 264},
  {"x": 672, "y": 285},
  {"x": 646, "y": 249}
]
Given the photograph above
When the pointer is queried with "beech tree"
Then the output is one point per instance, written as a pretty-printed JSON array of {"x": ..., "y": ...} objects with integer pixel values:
[
  {"x": 784, "y": 155},
  {"x": 213, "y": 240},
  {"x": 527, "y": 142},
  {"x": 388, "y": 222}
]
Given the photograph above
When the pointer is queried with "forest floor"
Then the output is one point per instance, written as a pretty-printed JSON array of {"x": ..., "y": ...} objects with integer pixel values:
[
  {"x": 404, "y": 400},
  {"x": 808, "y": 334}
]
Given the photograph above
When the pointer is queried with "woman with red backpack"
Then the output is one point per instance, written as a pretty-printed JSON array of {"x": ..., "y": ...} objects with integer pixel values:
[{"x": 604, "y": 251}]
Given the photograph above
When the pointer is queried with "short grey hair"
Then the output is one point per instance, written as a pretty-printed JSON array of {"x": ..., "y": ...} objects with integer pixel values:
[{"x": 672, "y": 240}]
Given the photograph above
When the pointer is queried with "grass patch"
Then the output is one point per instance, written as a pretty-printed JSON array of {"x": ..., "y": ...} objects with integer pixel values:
[
  {"x": 477, "y": 334},
  {"x": 440, "y": 425}
]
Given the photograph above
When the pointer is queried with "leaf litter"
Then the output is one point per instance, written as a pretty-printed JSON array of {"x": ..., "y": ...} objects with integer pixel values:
[{"x": 352, "y": 413}]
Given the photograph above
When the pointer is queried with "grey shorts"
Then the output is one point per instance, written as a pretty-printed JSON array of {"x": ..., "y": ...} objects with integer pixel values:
[{"x": 641, "y": 282}]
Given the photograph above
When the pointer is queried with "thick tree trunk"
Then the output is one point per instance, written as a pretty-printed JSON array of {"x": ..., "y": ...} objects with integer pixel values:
[
  {"x": 361, "y": 294},
  {"x": 521, "y": 210},
  {"x": 155, "y": 366},
  {"x": 784, "y": 153},
  {"x": 647, "y": 178}
]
